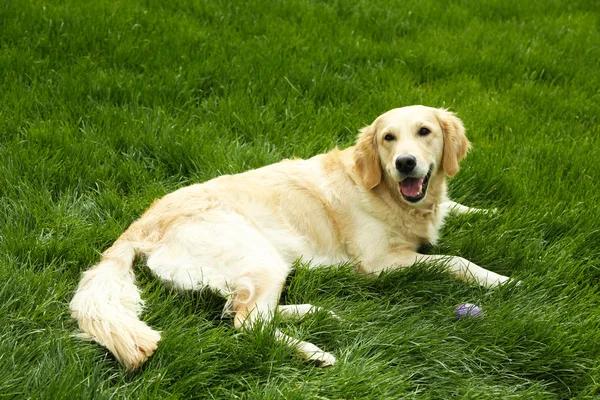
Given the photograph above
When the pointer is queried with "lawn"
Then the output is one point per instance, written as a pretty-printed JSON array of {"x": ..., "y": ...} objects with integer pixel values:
[{"x": 107, "y": 105}]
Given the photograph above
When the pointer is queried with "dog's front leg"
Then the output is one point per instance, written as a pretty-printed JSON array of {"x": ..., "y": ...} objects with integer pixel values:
[
  {"x": 301, "y": 310},
  {"x": 457, "y": 208},
  {"x": 465, "y": 269},
  {"x": 462, "y": 268}
]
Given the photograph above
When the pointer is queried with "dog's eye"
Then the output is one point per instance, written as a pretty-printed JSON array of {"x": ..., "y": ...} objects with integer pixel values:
[
  {"x": 389, "y": 137},
  {"x": 424, "y": 131}
]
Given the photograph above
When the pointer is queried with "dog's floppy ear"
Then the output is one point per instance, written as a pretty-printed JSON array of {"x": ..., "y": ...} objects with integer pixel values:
[
  {"x": 366, "y": 159},
  {"x": 456, "y": 144}
]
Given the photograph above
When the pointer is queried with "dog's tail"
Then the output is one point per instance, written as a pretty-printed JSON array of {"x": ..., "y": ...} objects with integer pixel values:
[{"x": 107, "y": 306}]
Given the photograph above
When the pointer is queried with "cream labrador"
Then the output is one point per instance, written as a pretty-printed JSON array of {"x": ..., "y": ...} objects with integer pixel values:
[{"x": 373, "y": 203}]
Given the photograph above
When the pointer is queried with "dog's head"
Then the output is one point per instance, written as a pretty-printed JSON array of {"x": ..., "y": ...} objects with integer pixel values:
[{"x": 407, "y": 146}]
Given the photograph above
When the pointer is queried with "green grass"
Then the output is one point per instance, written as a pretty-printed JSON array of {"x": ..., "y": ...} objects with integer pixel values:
[{"x": 107, "y": 105}]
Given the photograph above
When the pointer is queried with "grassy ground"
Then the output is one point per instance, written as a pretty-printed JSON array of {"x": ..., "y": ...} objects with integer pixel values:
[{"x": 106, "y": 105}]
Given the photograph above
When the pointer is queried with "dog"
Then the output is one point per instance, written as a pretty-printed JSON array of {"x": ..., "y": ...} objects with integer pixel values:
[{"x": 374, "y": 204}]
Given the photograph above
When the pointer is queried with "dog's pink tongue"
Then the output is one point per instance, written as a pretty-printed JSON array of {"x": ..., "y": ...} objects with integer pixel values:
[{"x": 411, "y": 187}]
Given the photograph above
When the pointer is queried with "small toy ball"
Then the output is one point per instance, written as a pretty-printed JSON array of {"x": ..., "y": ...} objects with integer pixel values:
[{"x": 467, "y": 310}]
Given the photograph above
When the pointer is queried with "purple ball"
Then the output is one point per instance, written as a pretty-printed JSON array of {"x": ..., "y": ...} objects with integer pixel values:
[{"x": 467, "y": 310}]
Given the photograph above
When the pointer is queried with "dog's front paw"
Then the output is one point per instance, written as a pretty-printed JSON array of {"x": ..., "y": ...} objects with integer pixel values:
[
  {"x": 486, "y": 211},
  {"x": 512, "y": 282},
  {"x": 501, "y": 280},
  {"x": 322, "y": 359},
  {"x": 331, "y": 314}
]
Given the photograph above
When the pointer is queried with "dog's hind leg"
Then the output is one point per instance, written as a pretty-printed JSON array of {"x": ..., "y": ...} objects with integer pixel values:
[
  {"x": 257, "y": 293},
  {"x": 228, "y": 255},
  {"x": 262, "y": 306},
  {"x": 256, "y": 298}
]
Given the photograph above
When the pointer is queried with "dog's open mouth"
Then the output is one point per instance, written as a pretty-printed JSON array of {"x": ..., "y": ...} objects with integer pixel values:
[{"x": 413, "y": 189}]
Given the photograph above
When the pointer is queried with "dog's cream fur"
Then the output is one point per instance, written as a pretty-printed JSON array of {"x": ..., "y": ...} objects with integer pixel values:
[{"x": 239, "y": 235}]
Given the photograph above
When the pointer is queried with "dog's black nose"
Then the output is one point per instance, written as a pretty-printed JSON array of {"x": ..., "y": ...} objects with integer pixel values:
[{"x": 405, "y": 164}]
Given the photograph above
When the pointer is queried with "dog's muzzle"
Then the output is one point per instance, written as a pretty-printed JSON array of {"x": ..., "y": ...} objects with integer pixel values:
[{"x": 413, "y": 189}]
